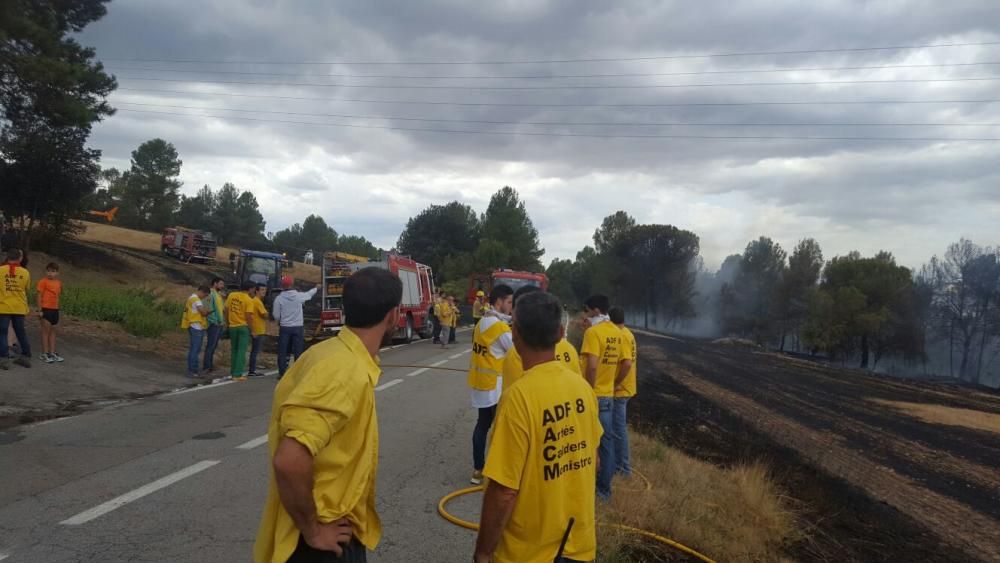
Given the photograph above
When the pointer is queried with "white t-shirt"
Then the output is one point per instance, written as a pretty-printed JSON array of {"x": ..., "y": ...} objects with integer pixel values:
[
  {"x": 196, "y": 307},
  {"x": 499, "y": 349}
]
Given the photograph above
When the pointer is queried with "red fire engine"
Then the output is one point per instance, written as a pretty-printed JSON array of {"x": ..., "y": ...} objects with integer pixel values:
[
  {"x": 418, "y": 291},
  {"x": 512, "y": 278}
]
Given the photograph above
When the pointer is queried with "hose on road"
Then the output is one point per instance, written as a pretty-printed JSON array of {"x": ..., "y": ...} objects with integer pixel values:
[{"x": 443, "y": 511}]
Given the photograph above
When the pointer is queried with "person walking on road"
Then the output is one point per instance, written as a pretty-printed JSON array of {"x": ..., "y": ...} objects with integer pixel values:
[
  {"x": 14, "y": 283},
  {"x": 287, "y": 310},
  {"x": 491, "y": 341},
  {"x": 625, "y": 389},
  {"x": 601, "y": 354},
  {"x": 49, "y": 289},
  {"x": 258, "y": 327},
  {"x": 445, "y": 313},
  {"x": 193, "y": 320},
  {"x": 239, "y": 315},
  {"x": 542, "y": 464},
  {"x": 216, "y": 322},
  {"x": 323, "y": 436}
]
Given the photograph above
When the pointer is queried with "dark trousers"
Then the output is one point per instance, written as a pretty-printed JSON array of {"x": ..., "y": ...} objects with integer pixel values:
[
  {"x": 437, "y": 329},
  {"x": 354, "y": 552},
  {"x": 17, "y": 323},
  {"x": 256, "y": 343},
  {"x": 291, "y": 340},
  {"x": 479, "y": 436},
  {"x": 451, "y": 335},
  {"x": 214, "y": 333}
]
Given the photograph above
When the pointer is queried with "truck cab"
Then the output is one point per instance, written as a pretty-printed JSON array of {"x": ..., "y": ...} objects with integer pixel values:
[{"x": 513, "y": 278}]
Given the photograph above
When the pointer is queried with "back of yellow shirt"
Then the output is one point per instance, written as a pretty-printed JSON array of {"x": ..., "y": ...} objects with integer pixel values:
[
  {"x": 237, "y": 305},
  {"x": 326, "y": 402},
  {"x": 604, "y": 341},
  {"x": 545, "y": 442},
  {"x": 629, "y": 352},
  {"x": 565, "y": 354},
  {"x": 14, "y": 290}
]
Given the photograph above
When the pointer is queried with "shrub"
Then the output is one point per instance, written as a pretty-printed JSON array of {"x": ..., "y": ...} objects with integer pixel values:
[{"x": 141, "y": 312}]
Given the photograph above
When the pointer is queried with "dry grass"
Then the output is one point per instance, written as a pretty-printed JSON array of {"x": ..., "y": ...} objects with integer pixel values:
[
  {"x": 728, "y": 514},
  {"x": 950, "y": 416}
]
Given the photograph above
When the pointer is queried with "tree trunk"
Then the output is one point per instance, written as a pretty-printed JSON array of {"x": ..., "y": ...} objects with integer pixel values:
[
  {"x": 982, "y": 340},
  {"x": 864, "y": 352}
]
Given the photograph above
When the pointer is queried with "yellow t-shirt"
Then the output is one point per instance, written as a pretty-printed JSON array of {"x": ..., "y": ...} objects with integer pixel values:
[
  {"x": 545, "y": 442},
  {"x": 259, "y": 324},
  {"x": 326, "y": 402},
  {"x": 238, "y": 304},
  {"x": 513, "y": 368},
  {"x": 444, "y": 312},
  {"x": 14, "y": 290},
  {"x": 629, "y": 352},
  {"x": 603, "y": 340}
]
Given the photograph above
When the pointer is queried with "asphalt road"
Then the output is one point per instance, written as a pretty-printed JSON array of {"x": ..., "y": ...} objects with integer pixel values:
[{"x": 183, "y": 476}]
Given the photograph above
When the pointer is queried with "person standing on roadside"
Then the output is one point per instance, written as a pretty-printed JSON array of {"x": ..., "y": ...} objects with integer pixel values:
[
  {"x": 513, "y": 367},
  {"x": 491, "y": 342},
  {"x": 323, "y": 436},
  {"x": 258, "y": 327},
  {"x": 193, "y": 320},
  {"x": 542, "y": 464},
  {"x": 216, "y": 322},
  {"x": 239, "y": 315},
  {"x": 601, "y": 354},
  {"x": 14, "y": 282},
  {"x": 435, "y": 321},
  {"x": 456, "y": 313},
  {"x": 479, "y": 307},
  {"x": 49, "y": 289},
  {"x": 287, "y": 310},
  {"x": 625, "y": 389},
  {"x": 445, "y": 313}
]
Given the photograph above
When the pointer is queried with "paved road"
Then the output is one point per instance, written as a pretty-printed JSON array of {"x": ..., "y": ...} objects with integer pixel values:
[{"x": 182, "y": 477}]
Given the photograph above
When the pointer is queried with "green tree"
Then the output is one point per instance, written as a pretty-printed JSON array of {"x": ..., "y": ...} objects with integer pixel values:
[
  {"x": 560, "y": 273},
  {"x": 317, "y": 236},
  {"x": 150, "y": 191},
  {"x": 506, "y": 221},
  {"x": 439, "y": 232},
  {"x": 753, "y": 295},
  {"x": 659, "y": 278},
  {"x": 359, "y": 245},
  {"x": 613, "y": 230},
  {"x": 198, "y": 211},
  {"x": 802, "y": 275},
  {"x": 250, "y": 222}
]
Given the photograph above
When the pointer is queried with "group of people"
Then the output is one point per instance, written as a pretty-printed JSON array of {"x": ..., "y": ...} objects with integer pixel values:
[
  {"x": 557, "y": 440},
  {"x": 15, "y": 279},
  {"x": 244, "y": 318},
  {"x": 444, "y": 316}
]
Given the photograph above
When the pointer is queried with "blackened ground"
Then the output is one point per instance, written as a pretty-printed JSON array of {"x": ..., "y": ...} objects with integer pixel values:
[{"x": 843, "y": 520}]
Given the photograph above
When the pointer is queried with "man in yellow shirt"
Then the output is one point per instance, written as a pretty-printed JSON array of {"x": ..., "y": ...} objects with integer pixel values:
[
  {"x": 491, "y": 342},
  {"x": 565, "y": 352},
  {"x": 323, "y": 436},
  {"x": 445, "y": 313},
  {"x": 479, "y": 307},
  {"x": 542, "y": 460},
  {"x": 258, "y": 327},
  {"x": 239, "y": 315},
  {"x": 625, "y": 389},
  {"x": 601, "y": 352},
  {"x": 14, "y": 283}
]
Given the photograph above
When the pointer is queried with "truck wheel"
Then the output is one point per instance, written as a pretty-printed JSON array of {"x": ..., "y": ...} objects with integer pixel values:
[{"x": 408, "y": 331}]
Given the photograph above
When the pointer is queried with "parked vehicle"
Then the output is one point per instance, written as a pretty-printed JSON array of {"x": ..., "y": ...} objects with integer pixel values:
[
  {"x": 188, "y": 245},
  {"x": 513, "y": 278},
  {"x": 259, "y": 267}
]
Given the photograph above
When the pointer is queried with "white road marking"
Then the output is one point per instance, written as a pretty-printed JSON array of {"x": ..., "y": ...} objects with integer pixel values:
[
  {"x": 456, "y": 356},
  {"x": 417, "y": 372},
  {"x": 4, "y": 556},
  {"x": 441, "y": 363},
  {"x": 258, "y": 441},
  {"x": 118, "y": 502},
  {"x": 199, "y": 388},
  {"x": 389, "y": 384}
]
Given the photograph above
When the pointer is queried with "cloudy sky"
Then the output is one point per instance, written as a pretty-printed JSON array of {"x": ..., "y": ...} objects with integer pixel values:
[{"x": 585, "y": 107}]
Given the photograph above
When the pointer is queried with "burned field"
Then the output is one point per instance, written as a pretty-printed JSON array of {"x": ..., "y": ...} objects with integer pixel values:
[{"x": 879, "y": 469}]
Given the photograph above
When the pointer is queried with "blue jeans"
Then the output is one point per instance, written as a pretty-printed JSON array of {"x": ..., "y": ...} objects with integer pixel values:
[
  {"x": 606, "y": 451},
  {"x": 290, "y": 341},
  {"x": 618, "y": 423},
  {"x": 479, "y": 436},
  {"x": 256, "y": 343},
  {"x": 17, "y": 322},
  {"x": 195, "y": 337},
  {"x": 214, "y": 334}
]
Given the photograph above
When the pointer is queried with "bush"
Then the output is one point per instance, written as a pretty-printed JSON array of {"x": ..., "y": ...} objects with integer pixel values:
[{"x": 141, "y": 312}]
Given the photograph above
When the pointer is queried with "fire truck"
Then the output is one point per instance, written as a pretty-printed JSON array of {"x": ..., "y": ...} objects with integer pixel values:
[
  {"x": 513, "y": 278},
  {"x": 418, "y": 291},
  {"x": 188, "y": 245}
]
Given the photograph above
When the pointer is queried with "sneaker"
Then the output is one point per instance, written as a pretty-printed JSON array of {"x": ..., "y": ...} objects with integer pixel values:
[
  {"x": 240, "y": 378},
  {"x": 254, "y": 374},
  {"x": 56, "y": 357},
  {"x": 24, "y": 361},
  {"x": 193, "y": 376},
  {"x": 477, "y": 478},
  {"x": 47, "y": 358}
]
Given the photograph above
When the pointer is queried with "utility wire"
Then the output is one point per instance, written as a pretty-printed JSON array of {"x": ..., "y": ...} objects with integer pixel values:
[
  {"x": 589, "y": 135},
  {"x": 570, "y": 87},
  {"x": 558, "y": 76},
  {"x": 562, "y": 123},
  {"x": 556, "y": 61},
  {"x": 558, "y": 105}
]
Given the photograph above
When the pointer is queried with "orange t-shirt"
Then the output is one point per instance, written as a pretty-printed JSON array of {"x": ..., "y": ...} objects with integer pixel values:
[{"x": 48, "y": 293}]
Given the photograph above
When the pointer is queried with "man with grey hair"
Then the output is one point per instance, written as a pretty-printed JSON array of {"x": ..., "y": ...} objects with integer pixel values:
[{"x": 542, "y": 463}]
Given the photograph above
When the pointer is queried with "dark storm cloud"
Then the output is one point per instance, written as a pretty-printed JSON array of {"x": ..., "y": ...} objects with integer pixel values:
[{"x": 839, "y": 183}]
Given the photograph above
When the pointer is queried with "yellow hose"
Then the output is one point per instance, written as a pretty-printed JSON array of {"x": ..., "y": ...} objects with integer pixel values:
[{"x": 443, "y": 511}]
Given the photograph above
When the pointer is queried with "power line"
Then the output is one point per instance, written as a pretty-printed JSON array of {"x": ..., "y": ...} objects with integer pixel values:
[
  {"x": 560, "y": 104},
  {"x": 571, "y": 87},
  {"x": 589, "y": 135},
  {"x": 560, "y": 76},
  {"x": 558, "y": 61},
  {"x": 564, "y": 123}
]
